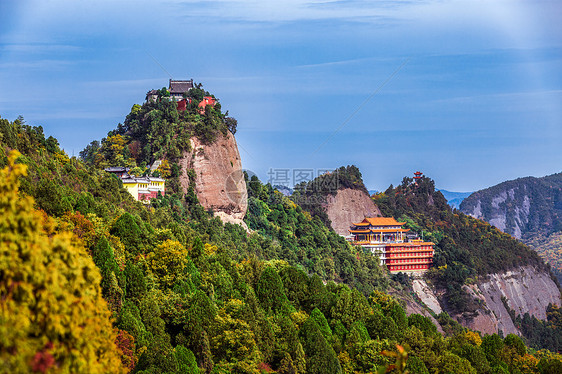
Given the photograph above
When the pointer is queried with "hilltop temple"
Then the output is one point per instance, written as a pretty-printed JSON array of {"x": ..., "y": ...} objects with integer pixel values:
[
  {"x": 178, "y": 92},
  {"x": 399, "y": 250},
  {"x": 176, "y": 88}
]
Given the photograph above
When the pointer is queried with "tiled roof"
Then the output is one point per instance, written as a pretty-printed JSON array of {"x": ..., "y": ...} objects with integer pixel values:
[
  {"x": 361, "y": 231},
  {"x": 116, "y": 169},
  {"x": 380, "y": 221},
  {"x": 179, "y": 87}
]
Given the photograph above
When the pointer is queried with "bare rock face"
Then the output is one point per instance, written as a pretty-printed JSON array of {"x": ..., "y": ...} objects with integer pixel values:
[
  {"x": 492, "y": 317},
  {"x": 414, "y": 306},
  {"x": 426, "y": 295},
  {"x": 349, "y": 206},
  {"x": 526, "y": 290},
  {"x": 219, "y": 181}
]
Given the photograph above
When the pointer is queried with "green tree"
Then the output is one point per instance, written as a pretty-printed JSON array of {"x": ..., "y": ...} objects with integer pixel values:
[
  {"x": 128, "y": 230},
  {"x": 321, "y": 357},
  {"x": 453, "y": 364},
  {"x": 423, "y": 323},
  {"x": 492, "y": 346},
  {"x": 350, "y": 306},
  {"x": 52, "y": 315},
  {"x": 270, "y": 291},
  {"x": 186, "y": 361},
  {"x": 322, "y": 323}
]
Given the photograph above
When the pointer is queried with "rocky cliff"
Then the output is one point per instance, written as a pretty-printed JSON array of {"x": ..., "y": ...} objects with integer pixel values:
[
  {"x": 519, "y": 207},
  {"x": 524, "y": 290},
  {"x": 347, "y": 206},
  {"x": 219, "y": 180},
  {"x": 529, "y": 209}
]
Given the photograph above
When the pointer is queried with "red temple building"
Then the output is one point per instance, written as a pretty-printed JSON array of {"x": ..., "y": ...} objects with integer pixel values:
[
  {"x": 397, "y": 249},
  {"x": 207, "y": 100},
  {"x": 417, "y": 176}
]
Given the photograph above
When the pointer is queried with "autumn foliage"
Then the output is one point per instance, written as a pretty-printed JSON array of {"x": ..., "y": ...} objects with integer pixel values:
[
  {"x": 52, "y": 314},
  {"x": 189, "y": 294}
]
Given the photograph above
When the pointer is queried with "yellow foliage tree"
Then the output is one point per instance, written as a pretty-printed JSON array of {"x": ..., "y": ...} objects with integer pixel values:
[
  {"x": 234, "y": 341},
  {"x": 116, "y": 143},
  {"x": 526, "y": 363},
  {"x": 52, "y": 315},
  {"x": 473, "y": 338},
  {"x": 168, "y": 261},
  {"x": 164, "y": 169}
]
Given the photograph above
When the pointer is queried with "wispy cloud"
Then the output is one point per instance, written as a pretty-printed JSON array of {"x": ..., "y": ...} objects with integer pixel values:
[
  {"x": 38, "y": 48},
  {"x": 523, "y": 96},
  {"x": 294, "y": 10},
  {"x": 36, "y": 65},
  {"x": 344, "y": 62},
  {"x": 125, "y": 83}
]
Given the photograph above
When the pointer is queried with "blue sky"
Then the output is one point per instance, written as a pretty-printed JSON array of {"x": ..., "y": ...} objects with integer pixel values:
[{"x": 477, "y": 101}]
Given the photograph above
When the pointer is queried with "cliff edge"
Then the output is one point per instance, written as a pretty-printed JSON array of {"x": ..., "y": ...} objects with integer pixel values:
[
  {"x": 347, "y": 206},
  {"x": 219, "y": 180}
]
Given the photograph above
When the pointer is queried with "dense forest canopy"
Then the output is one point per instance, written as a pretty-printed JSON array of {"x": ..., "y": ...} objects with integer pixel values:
[{"x": 187, "y": 293}]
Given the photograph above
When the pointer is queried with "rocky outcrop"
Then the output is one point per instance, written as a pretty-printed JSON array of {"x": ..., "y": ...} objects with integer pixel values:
[
  {"x": 520, "y": 207},
  {"x": 348, "y": 206},
  {"x": 426, "y": 295},
  {"x": 219, "y": 180},
  {"x": 508, "y": 210},
  {"x": 529, "y": 209},
  {"x": 413, "y": 305},
  {"x": 524, "y": 290}
]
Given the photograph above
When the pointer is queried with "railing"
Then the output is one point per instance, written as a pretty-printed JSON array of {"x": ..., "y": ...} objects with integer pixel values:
[
  {"x": 372, "y": 242},
  {"x": 395, "y": 255},
  {"x": 419, "y": 262}
]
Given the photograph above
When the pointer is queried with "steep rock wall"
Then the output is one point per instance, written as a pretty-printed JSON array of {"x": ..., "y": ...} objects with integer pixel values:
[
  {"x": 508, "y": 210},
  {"x": 522, "y": 207},
  {"x": 348, "y": 206},
  {"x": 426, "y": 295},
  {"x": 219, "y": 180},
  {"x": 526, "y": 290},
  {"x": 413, "y": 306}
]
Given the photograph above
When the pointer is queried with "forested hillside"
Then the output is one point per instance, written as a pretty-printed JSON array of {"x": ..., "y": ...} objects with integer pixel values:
[
  {"x": 529, "y": 209},
  {"x": 188, "y": 294}
]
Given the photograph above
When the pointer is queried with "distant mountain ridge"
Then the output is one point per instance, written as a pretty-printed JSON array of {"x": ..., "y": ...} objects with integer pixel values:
[
  {"x": 454, "y": 199},
  {"x": 520, "y": 207},
  {"x": 529, "y": 209}
]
